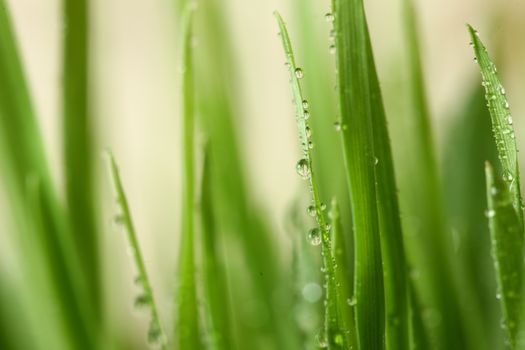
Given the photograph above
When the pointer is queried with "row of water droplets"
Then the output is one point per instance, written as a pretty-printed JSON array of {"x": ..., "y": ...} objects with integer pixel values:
[
  {"x": 321, "y": 233},
  {"x": 498, "y": 105},
  {"x": 144, "y": 300}
]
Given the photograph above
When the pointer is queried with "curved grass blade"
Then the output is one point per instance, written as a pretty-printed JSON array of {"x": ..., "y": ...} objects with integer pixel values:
[
  {"x": 145, "y": 299},
  {"x": 186, "y": 333},
  {"x": 214, "y": 276},
  {"x": 507, "y": 250},
  {"x": 418, "y": 334},
  {"x": 501, "y": 117},
  {"x": 78, "y": 138},
  {"x": 336, "y": 332}
]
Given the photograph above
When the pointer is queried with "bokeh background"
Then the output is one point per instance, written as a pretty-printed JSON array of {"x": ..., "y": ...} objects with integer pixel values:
[{"x": 134, "y": 87}]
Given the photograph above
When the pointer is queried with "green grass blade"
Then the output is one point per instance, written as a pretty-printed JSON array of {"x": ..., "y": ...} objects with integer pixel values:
[
  {"x": 214, "y": 275},
  {"x": 335, "y": 329},
  {"x": 78, "y": 138},
  {"x": 354, "y": 86},
  {"x": 145, "y": 299},
  {"x": 392, "y": 246},
  {"x": 64, "y": 278},
  {"x": 501, "y": 121},
  {"x": 429, "y": 247},
  {"x": 186, "y": 332},
  {"x": 507, "y": 250},
  {"x": 342, "y": 273},
  {"x": 418, "y": 334},
  {"x": 240, "y": 218},
  {"x": 468, "y": 145}
]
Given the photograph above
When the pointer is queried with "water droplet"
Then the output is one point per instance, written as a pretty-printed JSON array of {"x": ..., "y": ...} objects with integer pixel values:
[
  {"x": 506, "y": 105},
  {"x": 351, "y": 301},
  {"x": 507, "y": 176},
  {"x": 311, "y": 145},
  {"x": 299, "y": 73},
  {"x": 303, "y": 169},
  {"x": 323, "y": 207},
  {"x": 142, "y": 301},
  {"x": 498, "y": 296},
  {"x": 329, "y": 17},
  {"x": 306, "y": 104},
  {"x": 509, "y": 120},
  {"x": 502, "y": 90},
  {"x": 490, "y": 213},
  {"x": 494, "y": 190},
  {"x": 154, "y": 332},
  {"x": 312, "y": 292},
  {"x": 332, "y": 49},
  {"x": 118, "y": 219},
  {"x": 337, "y": 126},
  {"x": 338, "y": 339},
  {"x": 376, "y": 160},
  {"x": 311, "y": 210},
  {"x": 314, "y": 236},
  {"x": 306, "y": 114},
  {"x": 308, "y": 132}
]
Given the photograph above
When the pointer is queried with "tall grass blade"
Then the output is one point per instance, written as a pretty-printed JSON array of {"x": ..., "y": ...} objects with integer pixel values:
[
  {"x": 507, "y": 250},
  {"x": 156, "y": 333},
  {"x": 372, "y": 184},
  {"x": 78, "y": 138},
  {"x": 342, "y": 273},
  {"x": 239, "y": 217},
  {"x": 502, "y": 122},
  {"x": 468, "y": 145},
  {"x": 336, "y": 332},
  {"x": 186, "y": 315},
  {"x": 418, "y": 335},
  {"x": 429, "y": 247},
  {"x": 216, "y": 296}
]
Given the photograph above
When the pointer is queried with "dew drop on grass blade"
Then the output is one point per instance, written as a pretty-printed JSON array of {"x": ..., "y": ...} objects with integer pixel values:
[
  {"x": 156, "y": 333},
  {"x": 502, "y": 122},
  {"x": 336, "y": 333}
]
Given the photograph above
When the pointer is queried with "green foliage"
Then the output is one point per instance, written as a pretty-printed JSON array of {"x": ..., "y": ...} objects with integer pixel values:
[{"x": 364, "y": 277}]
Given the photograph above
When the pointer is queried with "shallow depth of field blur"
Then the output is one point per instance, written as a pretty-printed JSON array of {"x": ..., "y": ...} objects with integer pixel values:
[{"x": 135, "y": 105}]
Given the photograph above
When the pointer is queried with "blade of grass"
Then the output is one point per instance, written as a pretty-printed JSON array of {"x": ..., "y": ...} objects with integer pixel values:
[
  {"x": 468, "y": 145},
  {"x": 507, "y": 250},
  {"x": 336, "y": 332},
  {"x": 78, "y": 138},
  {"x": 368, "y": 157},
  {"x": 186, "y": 333},
  {"x": 156, "y": 333},
  {"x": 240, "y": 220},
  {"x": 418, "y": 334},
  {"x": 214, "y": 276},
  {"x": 342, "y": 273},
  {"x": 429, "y": 247},
  {"x": 501, "y": 121}
]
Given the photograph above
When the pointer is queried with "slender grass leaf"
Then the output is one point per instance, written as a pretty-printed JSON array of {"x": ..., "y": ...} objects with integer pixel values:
[
  {"x": 336, "y": 332},
  {"x": 251, "y": 251},
  {"x": 77, "y": 322},
  {"x": 418, "y": 334},
  {"x": 507, "y": 250},
  {"x": 156, "y": 333},
  {"x": 501, "y": 121},
  {"x": 354, "y": 66},
  {"x": 341, "y": 275},
  {"x": 186, "y": 315},
  {"x": 78, "y": 138},
  {"x": 468, "y": 145},
  {"x": 214, "y": 276},
  {"x": 429, "y": 247}
]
